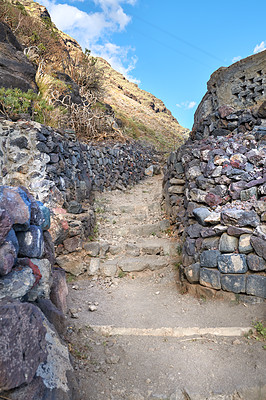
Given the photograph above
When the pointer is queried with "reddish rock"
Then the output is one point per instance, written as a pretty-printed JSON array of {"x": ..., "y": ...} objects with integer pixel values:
[
  {"x": 23, "y": 343},
  {"x": 72, "y": 244},
  {"x": 262, "y": 110},
  {"x": 213, "y": 199},
  {"x": 53, "y": 315},
  {"x": 7, "y": 258},
  {"x": 225, "y": 110},
  {"x": 17, "y": 205},
  {"x": 48, "y": 251},
  {"x": 5, "y": 225},
  {"x": 58, "y": 230}
]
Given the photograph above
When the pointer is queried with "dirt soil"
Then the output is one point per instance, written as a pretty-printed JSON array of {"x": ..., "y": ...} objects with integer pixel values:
[{"x": 138, "y": 337}]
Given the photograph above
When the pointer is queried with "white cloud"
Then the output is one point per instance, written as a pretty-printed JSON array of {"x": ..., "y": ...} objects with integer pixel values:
[
  {"x": 259, "y": 47},
  {"x": 93, "y": 30},
  {"x": 235, "y": 59},
  {"x": 187, "y": 105}
]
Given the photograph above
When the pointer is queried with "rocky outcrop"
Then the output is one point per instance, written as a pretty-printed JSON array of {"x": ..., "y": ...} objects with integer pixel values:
[
  {"x": 239, "y": 86},
  {"x": 214, "y": 191},
  {"x": 15, "y": 69}
]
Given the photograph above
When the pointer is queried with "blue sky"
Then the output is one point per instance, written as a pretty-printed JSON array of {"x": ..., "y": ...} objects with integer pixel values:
[{"x": 170, "y": 48}]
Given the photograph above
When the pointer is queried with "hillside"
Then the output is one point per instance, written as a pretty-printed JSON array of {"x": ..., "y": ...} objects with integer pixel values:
[{"x": 135, "y": 113}]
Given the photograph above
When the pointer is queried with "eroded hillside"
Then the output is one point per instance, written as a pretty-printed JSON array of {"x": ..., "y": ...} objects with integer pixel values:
[{"x": 134, "y": 114}]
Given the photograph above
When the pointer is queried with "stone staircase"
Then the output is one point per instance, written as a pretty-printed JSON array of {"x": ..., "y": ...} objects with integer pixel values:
[{"x": 132, "y": 233}]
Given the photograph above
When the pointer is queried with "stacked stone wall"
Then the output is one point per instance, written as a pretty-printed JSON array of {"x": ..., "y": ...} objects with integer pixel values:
[
  {"x": 215, "y": 195},
  {"x": 58, "y": 168}
]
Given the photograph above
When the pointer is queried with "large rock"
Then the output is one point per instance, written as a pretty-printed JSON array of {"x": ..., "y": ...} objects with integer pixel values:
[
  {"x": 15, "y": 69},
  {"x": 17, "y": 204},
  {"x": 232, "y": 263},
  {"x": 233, "y": 283},
  {"x": 42, "y": 289},
  {"x": 240, "y": 217},
  {"x": 210, "y": 278},
  {"x": 5, "y": 225},
  {"x": 59, "y": 289},
  {"x": 228, "y": 244},
  {"x": 192, "y": 272},
  {"x": 7, "y": 258},
  {"x": 17, "y": 283},
  {"x": 23, "y": 345},
  {"x": 259, "y": 246},
  {"x": 201, "y": 214},
  {"x": 256, "y": 285},
  {"x": 209, "y": 258},
  {"x": 31, "y": 242},
  {"x": 72, "y": 263},
  {"x": 256, "y": 263}
]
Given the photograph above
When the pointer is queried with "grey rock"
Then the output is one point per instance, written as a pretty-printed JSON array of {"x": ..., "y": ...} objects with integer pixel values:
[
  {"x": 240, "y": 217},
  {"x": 132, "y": 250},
  {"x": 236, "y": 231},
  {"x": 74, "y": 264},
  {"x": 256, "y": 285},
  {"x": 23, "y": 335},
  {"x": 109, "y": 268},
  {"x": 228, "y": 244},
  {"x": 249, "y": 194},
  {"x": 192, "y": 272},
  {"x": 42, "y": 289},
  {"x": 259, "y": 246},
  {"x": 74, "y": 207},
  {"x": 92, "y": 248},
  {"x": 233, "y": 283},
  {"x": 194, "y": 231},
  {"x": 31, "y": 242},
  {"x": 209, "y": 258},
  {"x": 177, "y": 189},
  {"x": 210, "y": 243},
  {"x": 245, "y": 244},
  {"x": 59, "y": 289},
  {"x": 7, "y": 258},
  {"x": 17, "y": 283},
  {"x": 210, "y": 278},
  {"x": 200, "y": 214},
  {"x": 256, "y": 263},
  {"x": 5, "y": 225},
  {"x": 232, "y": 263},
  {"x": 93, "y": 267},
  {"x": 54, "y": 316},
  {"x": 141, "y": 263}
]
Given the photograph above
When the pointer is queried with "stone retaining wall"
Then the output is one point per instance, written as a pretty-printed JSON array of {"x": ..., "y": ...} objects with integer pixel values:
[
  {"x": 59, "y": 169},
  {"x": 215, "y": 194}
]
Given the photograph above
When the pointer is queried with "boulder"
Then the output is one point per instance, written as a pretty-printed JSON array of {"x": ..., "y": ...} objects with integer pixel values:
[
  {"x": 7, "y": 258},
  {"x": 59, "y": 289},
  {"x": 23, "y": 343},
  {"x": 201, "y": 214},
  {"x": 245, "y": 244},
  {"x": 259, "y": 246},
  {"x": 17, "y": 283},
  {"x": 42, "y": 289},
  {"x": 192, "y": 272},
  {"x": 5, "y": 225}
]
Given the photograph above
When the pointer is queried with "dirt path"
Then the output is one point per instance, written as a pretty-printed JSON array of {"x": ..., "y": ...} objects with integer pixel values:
[{"x": 136, "y": 337}]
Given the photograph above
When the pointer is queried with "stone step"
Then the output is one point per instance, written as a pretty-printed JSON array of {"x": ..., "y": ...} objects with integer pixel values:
[
  {"x": 154, "y": 246},
  {"x": 134, "y": 264},
  {"x": 145, "y": 230}
]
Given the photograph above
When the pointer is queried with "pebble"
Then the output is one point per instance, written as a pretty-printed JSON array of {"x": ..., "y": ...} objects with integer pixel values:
[{"x": 93, "y": 307}]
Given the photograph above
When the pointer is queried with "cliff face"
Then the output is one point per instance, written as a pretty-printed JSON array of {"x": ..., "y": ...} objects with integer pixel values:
[
  {"x": 242, "y": 85},
  {"x": 138, "y": 114}
]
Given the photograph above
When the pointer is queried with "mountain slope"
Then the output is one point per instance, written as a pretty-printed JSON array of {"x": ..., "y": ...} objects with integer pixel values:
[{"x": 138, "y": 114}]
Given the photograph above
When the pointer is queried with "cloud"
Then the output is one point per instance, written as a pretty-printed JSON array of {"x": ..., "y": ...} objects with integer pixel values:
[
  {"x": 237, "y": 58},
  {"x": 187, "y": 105},
  {"x": 259, "y": 47},
  {"x": 94, "y": 30}
]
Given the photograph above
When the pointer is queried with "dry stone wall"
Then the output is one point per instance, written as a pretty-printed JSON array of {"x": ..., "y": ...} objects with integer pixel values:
[{"x": 215, "y": 194}]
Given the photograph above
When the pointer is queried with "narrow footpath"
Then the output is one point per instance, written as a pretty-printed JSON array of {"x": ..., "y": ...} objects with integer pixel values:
[{"x": 136, "y": 336}]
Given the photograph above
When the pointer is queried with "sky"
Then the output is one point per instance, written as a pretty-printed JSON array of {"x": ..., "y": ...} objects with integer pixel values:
[{"x": 169, "y": 48}]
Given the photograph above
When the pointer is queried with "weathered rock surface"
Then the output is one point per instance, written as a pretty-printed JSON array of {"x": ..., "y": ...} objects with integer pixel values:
[{"x": 15, "y": 69}]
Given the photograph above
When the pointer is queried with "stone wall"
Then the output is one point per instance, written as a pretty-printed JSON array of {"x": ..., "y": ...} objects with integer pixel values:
[
  {"x": 241, "y": 85},
  {"x": 215, "y": 195},
  {"x": 59, "y": 169},
  {"x": 34, "y": 362}
]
